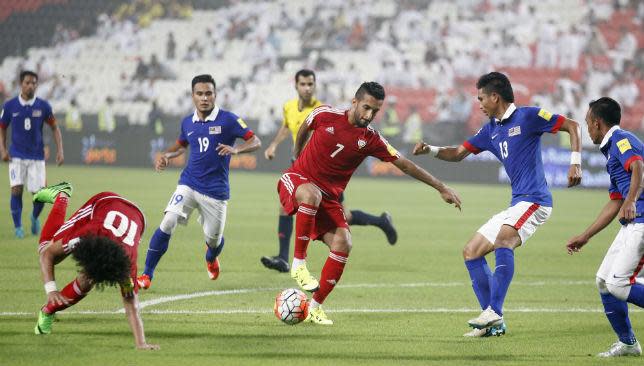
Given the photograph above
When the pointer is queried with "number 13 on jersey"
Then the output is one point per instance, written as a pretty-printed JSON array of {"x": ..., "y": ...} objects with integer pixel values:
[{"x": 503, "y": 149}]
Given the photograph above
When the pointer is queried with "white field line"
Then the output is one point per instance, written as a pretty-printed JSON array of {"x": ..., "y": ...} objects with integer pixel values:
[
  {"x": 175, "y": 298},
  {"x": 347, "y": 310},
  {"x": 166, "y": 299}
]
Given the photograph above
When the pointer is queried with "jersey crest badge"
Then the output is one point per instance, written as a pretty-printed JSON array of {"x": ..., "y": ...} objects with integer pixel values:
[
  {"x": 329, "y": 130},
  {"x": 514, "y": 131},
  {"x": 623, "y": 145},
  {"x": 362, "y": 143},
  {"x": 36, "y": 113},
  {"x": 214, "y": 130}
]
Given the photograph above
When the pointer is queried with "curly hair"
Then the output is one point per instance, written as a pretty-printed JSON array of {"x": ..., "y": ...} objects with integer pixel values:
[{"x": 103, "y": 261}]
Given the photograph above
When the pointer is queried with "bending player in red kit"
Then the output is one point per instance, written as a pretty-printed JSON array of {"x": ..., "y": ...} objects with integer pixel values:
[{"x": 103, "y": 237}]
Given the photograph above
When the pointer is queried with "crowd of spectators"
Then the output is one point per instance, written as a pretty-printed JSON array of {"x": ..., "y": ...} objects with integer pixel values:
[{"x": 428, "y": 54}]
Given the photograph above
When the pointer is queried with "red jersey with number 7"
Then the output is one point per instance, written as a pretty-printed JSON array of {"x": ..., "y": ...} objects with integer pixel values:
[
  {"x": 336, "y": 149},
  {"x": 110, "y": 215}
]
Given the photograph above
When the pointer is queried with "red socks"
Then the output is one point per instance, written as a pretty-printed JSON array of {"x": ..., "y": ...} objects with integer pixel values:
[
  {"x": 73, "y": 294},
  {"x": 304, "y": 223},
  {"x": 331, "y": 273},
  {"x": 55, "y": 219}
]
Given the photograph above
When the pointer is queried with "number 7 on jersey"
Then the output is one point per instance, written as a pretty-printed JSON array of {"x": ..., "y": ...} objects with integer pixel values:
[{"x": 340, "y": 147}]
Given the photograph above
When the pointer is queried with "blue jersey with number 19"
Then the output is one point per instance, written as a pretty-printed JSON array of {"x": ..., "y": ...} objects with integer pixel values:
[
  {"x": 207, "y": 171},
  {"x": 26, "y": 118},
  {"x": 516, "y": 141}
]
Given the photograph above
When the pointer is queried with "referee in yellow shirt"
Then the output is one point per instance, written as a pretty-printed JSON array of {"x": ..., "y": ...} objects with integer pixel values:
[{"x": 295, "y": 112}]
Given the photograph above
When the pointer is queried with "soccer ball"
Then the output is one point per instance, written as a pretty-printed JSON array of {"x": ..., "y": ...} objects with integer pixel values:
[{"x": 291, "y": 306}]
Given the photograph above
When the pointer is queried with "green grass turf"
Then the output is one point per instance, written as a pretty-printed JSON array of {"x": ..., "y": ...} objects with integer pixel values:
[{"x": 406, "y": 304}]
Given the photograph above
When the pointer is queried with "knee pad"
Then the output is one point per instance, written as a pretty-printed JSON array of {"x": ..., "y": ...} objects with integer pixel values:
[
  {"x": 169, "y": 222},
  {"x": 620, "y": 291}
]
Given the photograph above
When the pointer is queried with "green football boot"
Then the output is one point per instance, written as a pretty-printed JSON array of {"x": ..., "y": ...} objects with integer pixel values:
[
  {"x": 44, "y": 323},
  {"x": 48, "y": 194}
]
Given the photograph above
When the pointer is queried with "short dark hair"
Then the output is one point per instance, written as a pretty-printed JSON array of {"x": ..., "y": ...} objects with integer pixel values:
[
  {"x": 372, "y": 88},
  {"x": 102, "y": 260},
  {"x": 305, "y": 73},
  {"x": 606, "y": 109},
  {"x": 25, "y": 73},
  {"x": 496, "y": 82},
  {"x": 204, "y": 78}
]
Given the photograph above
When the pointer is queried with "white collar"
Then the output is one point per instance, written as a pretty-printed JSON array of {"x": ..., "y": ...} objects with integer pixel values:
[
  {"x": 608, "y": 135},
  {"x": 211, "y": 117},
  {"x": 508, "y": 113},
  {"x": 23, "y": 102}
]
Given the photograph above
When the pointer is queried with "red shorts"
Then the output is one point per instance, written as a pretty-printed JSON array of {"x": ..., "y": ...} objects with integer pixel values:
[{"x": 330, "y": 213}]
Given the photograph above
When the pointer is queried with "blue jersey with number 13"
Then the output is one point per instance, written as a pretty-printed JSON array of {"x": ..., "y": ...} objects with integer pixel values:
[{"x": 516, "y": 142}]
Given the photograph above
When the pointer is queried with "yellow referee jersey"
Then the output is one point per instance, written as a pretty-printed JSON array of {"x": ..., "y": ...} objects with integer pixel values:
[{"x": 293, "y": 118}]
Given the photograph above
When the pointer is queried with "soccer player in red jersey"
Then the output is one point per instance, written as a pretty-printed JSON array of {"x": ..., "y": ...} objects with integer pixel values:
[
  {"x": 103, "y": 237},
  {"x": 324, "y": 164}
]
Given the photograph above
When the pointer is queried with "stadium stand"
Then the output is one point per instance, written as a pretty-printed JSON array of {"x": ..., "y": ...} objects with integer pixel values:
[{"x": 559, "y": 54}]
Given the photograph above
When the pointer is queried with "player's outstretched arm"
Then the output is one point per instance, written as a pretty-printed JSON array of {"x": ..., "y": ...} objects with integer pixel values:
[
  {"x": 249, "y": 145},
  {"x": 447, "y": 153},
  {"x": 447, "y": 194},
  {"x": 574, "y": 172},
  {"x": 58, "y": 139},
  {"x": 131, "y": 305},
  {"x": 282, "y": 134},
  {"x": 605, "y": 217},
  {"x": 162, "y": 161},
  {"x": 51, "y": 254}
]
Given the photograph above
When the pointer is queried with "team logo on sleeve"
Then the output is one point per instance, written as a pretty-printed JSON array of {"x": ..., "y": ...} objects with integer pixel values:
[
  {"x": 36, "y": 113},
  {"x": 362, "y": 143},
  {"x": 514, "y": 131},
  {"x": 623, "y": 145},
  {"x": 241, "y": 123},
  {"x": 214, "y": 130},
  {"x": 545, "y": 114}
]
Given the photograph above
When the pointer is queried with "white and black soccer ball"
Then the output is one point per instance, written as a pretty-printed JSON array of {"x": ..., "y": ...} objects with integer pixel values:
[{"x": 291, "y": 306}]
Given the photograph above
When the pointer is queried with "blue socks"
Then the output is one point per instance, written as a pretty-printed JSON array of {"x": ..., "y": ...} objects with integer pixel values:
[
  {"x": 158, "y": 246},
  {"x": 211, "y": 253},
  {"x": 616, "y": 311},
  {"x": 481, "y": 277},
  {"x": 284, "y": 231},
  {"x": 38, "y": 206},
  {"x": 16, "y": 210},
  {"x": 636, "y": 296},
  {"x": 501, "y": 278}
]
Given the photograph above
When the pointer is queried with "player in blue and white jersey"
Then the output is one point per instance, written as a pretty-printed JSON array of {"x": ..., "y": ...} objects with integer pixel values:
[
  {"x": 26, "y": 115},
  {"x": 513, "y": 135},
  {"x": 625, "y": 257},
  {"x": 210, "y": 133}
]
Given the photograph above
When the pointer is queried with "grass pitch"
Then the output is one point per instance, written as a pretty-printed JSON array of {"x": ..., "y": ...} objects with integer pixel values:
[{"x": 402, "y": 304}]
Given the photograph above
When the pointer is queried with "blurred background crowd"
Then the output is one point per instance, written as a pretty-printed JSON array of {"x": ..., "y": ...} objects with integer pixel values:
[{"x": 130, "y": 63}]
